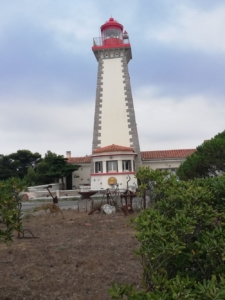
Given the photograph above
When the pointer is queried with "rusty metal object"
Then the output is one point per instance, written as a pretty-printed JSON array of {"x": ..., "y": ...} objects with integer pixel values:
[
  {"x": 19, "y": 207},
  {"x": 54, "y": 205},
  {"x": 128, "y": 197},
  {"x": 95, "y": 209},
  {"x": 86, "y": 196},
  {"x": 54, "y": 199},
  {"x": 125, "y": 210},
  {"x": 28, "y": 237}
]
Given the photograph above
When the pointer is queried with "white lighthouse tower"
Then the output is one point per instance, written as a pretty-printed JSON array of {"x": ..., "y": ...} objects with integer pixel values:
[{"x": 115, "y": 148}]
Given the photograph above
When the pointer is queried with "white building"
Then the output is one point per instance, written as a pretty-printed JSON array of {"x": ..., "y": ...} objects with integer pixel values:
[{"x": 161, "y": 160}]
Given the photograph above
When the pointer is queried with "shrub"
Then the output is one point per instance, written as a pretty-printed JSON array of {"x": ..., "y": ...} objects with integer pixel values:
[
  {"x": 10, "y": 207},
  {"x": 182, "y": 242}
]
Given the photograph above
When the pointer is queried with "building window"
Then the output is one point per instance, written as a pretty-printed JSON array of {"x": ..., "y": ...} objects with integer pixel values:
[
  {"x": 112, "y": 166},
  {"x": 126, "y": 165},
  {"x": 98, "y": 167}
]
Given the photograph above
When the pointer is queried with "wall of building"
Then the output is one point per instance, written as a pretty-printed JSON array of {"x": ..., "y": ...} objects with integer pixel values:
[
  {"x": 111, "y": 156},
  {"x": 100, "y": 180},
  {"x": 114, "y": 121},
  {"x": 82, "y": 175},
  {"x": 163, "y": 164}
]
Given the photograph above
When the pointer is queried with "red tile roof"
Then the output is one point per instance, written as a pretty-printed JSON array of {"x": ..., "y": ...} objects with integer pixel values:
[
  {"x": 163, "y": 154},
  {"x": 79, "y": 160},
  {"x": 146, "y": 155},
  {"x": 113, "y": 148}
]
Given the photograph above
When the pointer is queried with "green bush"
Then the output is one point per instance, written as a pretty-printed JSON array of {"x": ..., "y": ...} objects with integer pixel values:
[
  {"x": 10, "y": 207},
  {"x": 182, "y": 241}
]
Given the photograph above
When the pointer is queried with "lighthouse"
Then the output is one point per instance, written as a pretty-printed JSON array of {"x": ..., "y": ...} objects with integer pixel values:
[{"x": 115, "y": 148}]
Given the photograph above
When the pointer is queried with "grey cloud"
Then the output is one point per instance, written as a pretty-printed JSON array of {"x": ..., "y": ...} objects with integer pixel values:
[
  {"x": 207, "y": 5},
  {"x": 178, "y": 72},
  {"x": 33, "y": 64}
]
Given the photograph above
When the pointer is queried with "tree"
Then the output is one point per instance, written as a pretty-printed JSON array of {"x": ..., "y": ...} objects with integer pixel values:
[
  {"x": 18, "y": 163},
  {"x": 208, "y": 160},
  {"x": 54, "y": 167},
  {"x": 182, "y": 241},
  {"x": 33, "y": 177},
  {"x": 6, "y": 170},
  {"x": 34, "y": 169}
]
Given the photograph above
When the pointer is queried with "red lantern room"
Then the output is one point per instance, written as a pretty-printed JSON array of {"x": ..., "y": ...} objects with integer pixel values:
[{"x": 112, "y": 35}]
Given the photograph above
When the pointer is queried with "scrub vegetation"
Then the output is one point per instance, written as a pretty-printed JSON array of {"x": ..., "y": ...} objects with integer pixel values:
[
  {"x": 182, "y": 239},
  {"x": 10, "y": 208}
]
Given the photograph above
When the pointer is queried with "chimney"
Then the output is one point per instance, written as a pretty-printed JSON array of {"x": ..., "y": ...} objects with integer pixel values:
[{"x": 68, "y": 154}]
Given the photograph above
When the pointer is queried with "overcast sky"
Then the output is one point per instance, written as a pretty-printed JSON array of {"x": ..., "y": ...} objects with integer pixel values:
[{"x": 48, "y": 73}]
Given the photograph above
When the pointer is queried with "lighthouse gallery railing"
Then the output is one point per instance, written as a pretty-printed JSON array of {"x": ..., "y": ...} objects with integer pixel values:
[{"x": 99, "y": 41}]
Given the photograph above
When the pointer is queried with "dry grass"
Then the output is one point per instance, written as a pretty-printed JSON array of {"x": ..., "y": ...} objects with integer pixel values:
[{"x": 77, "y": 257}]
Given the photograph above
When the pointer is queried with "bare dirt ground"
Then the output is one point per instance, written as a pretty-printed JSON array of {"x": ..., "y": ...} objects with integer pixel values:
[{"x": 73, "y": 258}]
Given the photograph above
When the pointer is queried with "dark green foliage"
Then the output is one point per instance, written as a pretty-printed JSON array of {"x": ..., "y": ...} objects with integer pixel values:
[
  {"x": 216, "y": 186},
  {"x": 54, "y": 167},
  {"x": 6, "y": 169},
  {"x": 34, "y": 169},
  {"x": 147, "y": 179},
  {"x": 208, "y": 160},
  {"x": 182, "y": 240},
  {"x": 10, "y": 207},
  {"x": 17, "y": 164},
  {"x": 32, "y": 177}
]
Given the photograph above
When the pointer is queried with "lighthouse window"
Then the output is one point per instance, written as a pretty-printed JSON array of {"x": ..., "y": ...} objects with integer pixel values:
[
  {"x": 98, "y": 167},
  {"x": 112, "y": 33},
  {"x": 126, "y": 165},
  {"x": 112, "y": 166}
]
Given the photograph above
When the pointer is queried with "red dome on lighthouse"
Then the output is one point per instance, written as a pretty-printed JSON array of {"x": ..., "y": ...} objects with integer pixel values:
[{"x": 111, "y": 23}]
